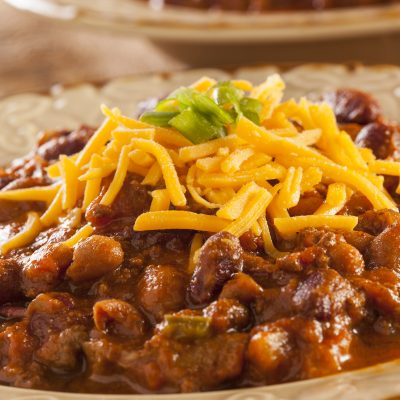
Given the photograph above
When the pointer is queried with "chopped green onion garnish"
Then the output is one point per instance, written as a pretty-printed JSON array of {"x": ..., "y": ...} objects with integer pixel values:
[
  {"x": 158, "y": 118},
  {"x": 251, "y": 109},
  {"x": 196, "y": 127},
  {"x": 204, "y": 116},
  {"x": 203, "y": 104},
  {"x": 167, "y": 105},
  {"x": 227, "y": 94}
]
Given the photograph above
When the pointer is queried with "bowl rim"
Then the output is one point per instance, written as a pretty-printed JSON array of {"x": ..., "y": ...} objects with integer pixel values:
[
  {"x": 359, "y": 374},
  {"x": 188, "y": 25}
]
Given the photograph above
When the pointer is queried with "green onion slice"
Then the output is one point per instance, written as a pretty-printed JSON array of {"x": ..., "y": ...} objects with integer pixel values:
[
  {"x": 196, "y": 127},
  {"x": 158, "y": 118}
]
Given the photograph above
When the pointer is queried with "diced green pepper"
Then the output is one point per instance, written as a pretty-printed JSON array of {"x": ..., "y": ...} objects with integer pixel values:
[{"x": 186, "y": 327}]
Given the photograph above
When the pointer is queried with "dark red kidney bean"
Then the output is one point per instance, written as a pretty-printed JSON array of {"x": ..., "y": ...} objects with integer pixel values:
[
  {"x": 379, "y": 138},
  {"x": 219, "y": 259},
  {"x": 353, "y": 106}
]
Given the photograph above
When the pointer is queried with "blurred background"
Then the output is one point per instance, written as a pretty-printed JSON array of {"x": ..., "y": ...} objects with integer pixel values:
[{"x": 37, "y": 52}]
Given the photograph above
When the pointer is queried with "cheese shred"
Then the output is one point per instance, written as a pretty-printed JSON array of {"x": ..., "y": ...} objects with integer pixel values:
[{"x": 254, "y": 168}]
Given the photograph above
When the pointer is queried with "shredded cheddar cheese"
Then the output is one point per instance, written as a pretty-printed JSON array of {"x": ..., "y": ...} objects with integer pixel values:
[
  {"x": 81, "y": 234},
  {"x": 254, "y": 169},
  {"x": 27, "y": 234},
  {"x": 287, "y": 227},
  {"x": 163, "y": 220}
]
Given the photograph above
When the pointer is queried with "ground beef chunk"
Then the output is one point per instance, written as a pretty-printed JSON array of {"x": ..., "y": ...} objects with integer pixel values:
[
  {"x": 346, "y": 259},
  {"x": 258, "y": 268},
  {"x": 314, "y": 256},
  {"x": 132, "y": 200},
  {"x": 243, "y": 288},
  {"x": 95, "y": 257},
  {"x": 17, "y": 347},
  {"x": 384, "y": 250},
  {"x": 358, "y": 239},
  {"x": 381, "y": 287},
  {"x": 375, "y": 222},
  {"x": 353, "y": 106},
  {"x": 323, "y": 295},
  {"x": 45, "y": 268},
  {"x": 219, "y": 259},
  {"x": 67, "y": 143},
  {"x": 378, "y": 137},
  {"x": 227, "y": 315},
  {"x": 161, "y": 290},
  {"x": 119, "y": 318},
  {"x": 10, "y": 285}
]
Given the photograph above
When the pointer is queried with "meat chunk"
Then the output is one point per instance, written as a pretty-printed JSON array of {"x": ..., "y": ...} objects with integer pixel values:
[
  {"x": 161, "y": 290},
  {"x": 65, "y": 143},
  {"x": 258, "y": 268},
  {"x": 95, "y": 257},
  {"x": 17, "y": 367},
  {"x": 45, "y": 268},
  {"x": 118, "y": 318},
  {"x": 346, "y": 259},
  {"x": 353, "y": 106},
  {"x": 381, "y": 288},
  {"x": 358, "y": 239},
  {"x": 385, "y": 249},
  {"x": 374, "y": 222},
  {"x": 242, "y": 288},
  {"x": 227, "y": 315},
  {"x": 187, "y": 367},
  {"x": 132, "y": 200},
  {"x": 10, "y": 286},
  {"x": 298, "y": 348},
  {"x": 323, "y": 295},
  {"x": 219, "y": 259},
  {"x": 378, "y": 137},
  {"x": 270, "y": 347},
  {"x": 60, "y": 325}
]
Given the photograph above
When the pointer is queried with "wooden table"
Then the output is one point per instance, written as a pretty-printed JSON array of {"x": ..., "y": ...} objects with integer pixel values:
[{"x": 36, "y": 52}]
